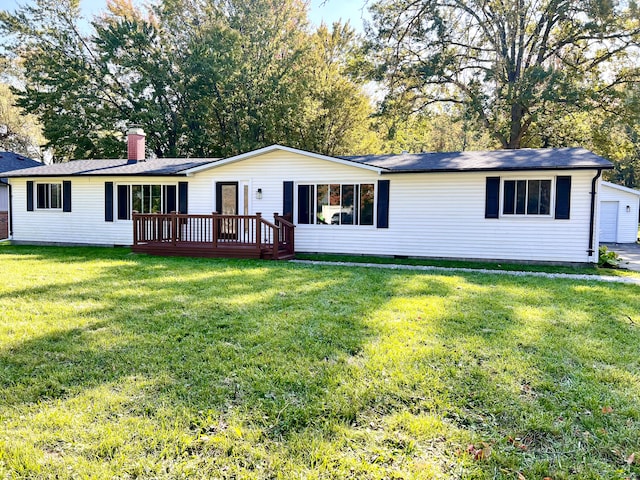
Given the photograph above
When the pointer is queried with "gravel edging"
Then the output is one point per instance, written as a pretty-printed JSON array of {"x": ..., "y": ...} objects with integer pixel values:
[{"x": 516, "y": 273}]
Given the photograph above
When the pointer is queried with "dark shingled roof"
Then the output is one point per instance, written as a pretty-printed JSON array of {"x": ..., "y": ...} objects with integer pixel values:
[
  {"x": 10, "y": 161},
  {"x": 155, "y": 167},
  {"x": 524, "y": 159}
]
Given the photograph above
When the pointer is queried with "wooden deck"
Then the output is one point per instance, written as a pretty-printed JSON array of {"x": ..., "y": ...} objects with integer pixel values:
[{"x": 215, "y": 235}]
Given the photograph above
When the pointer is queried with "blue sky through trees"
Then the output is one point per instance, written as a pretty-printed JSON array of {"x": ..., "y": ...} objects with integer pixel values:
[{"x": 328, "y": 11}]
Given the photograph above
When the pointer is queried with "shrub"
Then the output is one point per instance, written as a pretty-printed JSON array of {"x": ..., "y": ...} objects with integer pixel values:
[{"x": 608, "y": 258}]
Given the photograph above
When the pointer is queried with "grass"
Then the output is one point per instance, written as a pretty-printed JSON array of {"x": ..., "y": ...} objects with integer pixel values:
[{"x": 114, "y": 365}]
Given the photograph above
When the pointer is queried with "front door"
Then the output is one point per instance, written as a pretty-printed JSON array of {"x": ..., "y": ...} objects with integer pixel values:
[{"x": 227, "y": 204}]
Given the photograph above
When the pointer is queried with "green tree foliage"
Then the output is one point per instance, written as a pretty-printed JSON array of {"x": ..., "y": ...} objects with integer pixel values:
[
  {"x": 202, "y": 77},
  {"x": 514, "y": 66},
  {"x": 19, "y": 133},
  {"x": 335, "y": 113},
  {"x": 435, "y": 130}
]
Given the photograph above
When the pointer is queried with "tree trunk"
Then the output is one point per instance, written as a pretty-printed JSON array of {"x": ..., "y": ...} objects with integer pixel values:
[{"x": 516, "y": 127}]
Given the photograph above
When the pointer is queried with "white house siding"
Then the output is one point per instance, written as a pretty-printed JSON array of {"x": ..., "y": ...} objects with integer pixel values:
[
  {"x": 430, "y": 214},
  {"x": 85, "y": 224},
  {"x": 627, "y": 221}
]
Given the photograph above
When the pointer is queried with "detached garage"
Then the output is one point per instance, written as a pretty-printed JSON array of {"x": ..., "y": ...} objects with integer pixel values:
[{"x": 618, "y": 213}]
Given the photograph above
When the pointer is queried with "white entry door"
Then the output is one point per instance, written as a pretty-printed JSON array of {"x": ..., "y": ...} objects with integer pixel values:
[{"x": 609, "y": 222}]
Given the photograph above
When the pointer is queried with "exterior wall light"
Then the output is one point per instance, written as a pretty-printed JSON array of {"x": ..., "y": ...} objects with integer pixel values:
[
  {"x": 628, "y": 208},
  {"x": 259, "y": 194}
]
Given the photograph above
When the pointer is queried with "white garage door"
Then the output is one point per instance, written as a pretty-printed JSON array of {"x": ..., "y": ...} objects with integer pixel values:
[{"x": 608, "y": 221}]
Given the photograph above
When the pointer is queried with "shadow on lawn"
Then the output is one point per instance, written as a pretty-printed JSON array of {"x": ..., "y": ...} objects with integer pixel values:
[
  {"x": 551, "y": 364},
  {"x": 298, "y": 347},
  {"x": 204, "y": 335}
]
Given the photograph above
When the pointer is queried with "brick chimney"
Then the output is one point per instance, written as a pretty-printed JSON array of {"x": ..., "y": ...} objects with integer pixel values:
[{"x": 135, "y": 145}]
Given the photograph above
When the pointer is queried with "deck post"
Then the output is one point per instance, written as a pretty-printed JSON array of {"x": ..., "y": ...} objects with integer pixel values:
[
  {"x": 214, "y": 230},
  {"x": 174, "y": 228},
  {"x": 276, "y": 237},
  {"x": 136, "y": 233},
  {"x": 259, "y": 230}
]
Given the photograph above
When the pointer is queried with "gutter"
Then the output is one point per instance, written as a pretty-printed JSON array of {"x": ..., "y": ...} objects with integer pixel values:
[
  {"x": 492, "y": 169},
  {"x": 591, "y": 248}
]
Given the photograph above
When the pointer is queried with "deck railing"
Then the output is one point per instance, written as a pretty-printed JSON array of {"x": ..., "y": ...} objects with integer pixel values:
[{"x": 215, "y": 231}]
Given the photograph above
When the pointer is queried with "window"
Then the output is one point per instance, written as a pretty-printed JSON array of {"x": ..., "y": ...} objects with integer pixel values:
[
  {"x": 49, "y": 195},
  {"x": 336, "y": 204},
  {"x": 527, "y": 197},
  {"x": 145, "y": 199}
]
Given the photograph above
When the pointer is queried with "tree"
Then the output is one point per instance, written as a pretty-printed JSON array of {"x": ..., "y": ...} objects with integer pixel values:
[
  {"x": 336, "y": 111},
  {"x": 19, "y": 133},
  {"x": 512, "y": 65},
  {"x": 202, "y": 77}
]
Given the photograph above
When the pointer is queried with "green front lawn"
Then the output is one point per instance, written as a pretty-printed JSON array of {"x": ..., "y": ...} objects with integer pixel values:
[{"x": 114, "y": 365}]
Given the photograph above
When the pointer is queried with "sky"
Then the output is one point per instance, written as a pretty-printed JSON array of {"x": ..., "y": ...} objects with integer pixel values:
[{"x": 328, "y": 11}]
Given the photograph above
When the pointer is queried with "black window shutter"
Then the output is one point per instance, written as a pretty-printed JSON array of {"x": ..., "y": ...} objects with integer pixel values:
[
  {"x": 183, "y": 199},
  {"x": 218, "y": 197},
  {"x": 170, "y": 199},
  {"x": 123, "y": 202},
  {"x": 383, "y": 204},
  {"x": 563, "y": 197},
  {"x": 108, "y": 201},
  {"x": 29, "y": 196},
  {"x": 305, "y": 215},
  {"x": 287, "y": 200},
  {"x": 492, "y": 199},
  {"x": 66, "y": 196}
]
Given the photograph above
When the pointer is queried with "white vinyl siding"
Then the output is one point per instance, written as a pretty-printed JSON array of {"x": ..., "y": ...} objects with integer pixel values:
[
  {"x": 430, "y": 215},
  {"x": 84, "y": 225},
  {"x": 439, "y": 215}
]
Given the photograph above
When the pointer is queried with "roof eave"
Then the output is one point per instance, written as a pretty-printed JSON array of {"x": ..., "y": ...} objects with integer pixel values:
[
  {"x": 59, "y": 175},
  {"x": 621, "y": 188},
  {"x": 495, "y": 169}
]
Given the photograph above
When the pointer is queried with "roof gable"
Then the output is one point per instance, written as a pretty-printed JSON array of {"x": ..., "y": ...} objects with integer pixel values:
[
  {"x": 621, "y": 188},
  {"x": 273, "y": 148}
]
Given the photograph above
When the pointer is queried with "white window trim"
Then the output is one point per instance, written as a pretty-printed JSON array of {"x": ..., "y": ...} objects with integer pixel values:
[
  {"x": 131, "y": 184},
  {"x": 552, "y": 198},
  {"x": 339, "y": 226},
  {"x": 46, "y": 209}
]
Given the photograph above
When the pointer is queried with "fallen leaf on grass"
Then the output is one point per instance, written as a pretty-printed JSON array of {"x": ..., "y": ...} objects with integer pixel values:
[
  {"x": 607, "y": 409},
  {"x": 521, "y": 476},
  {"x": 479, "y": 453},
  {"x": 516, "y": 443},
  {"x": 631, "y": 459}
]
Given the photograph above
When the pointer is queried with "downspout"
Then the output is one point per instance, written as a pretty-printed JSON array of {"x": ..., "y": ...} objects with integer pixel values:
[
  {"x": 10, "y": 210},
  {"x": 592, "y": 220}
]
